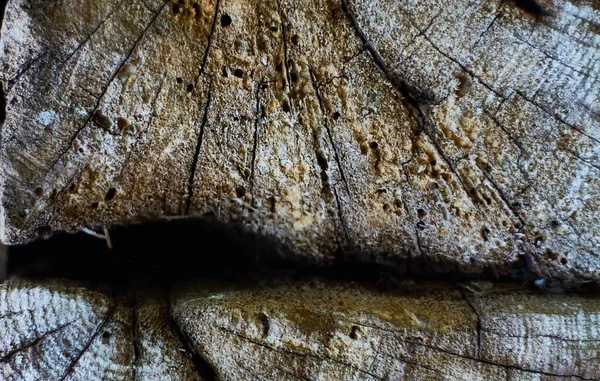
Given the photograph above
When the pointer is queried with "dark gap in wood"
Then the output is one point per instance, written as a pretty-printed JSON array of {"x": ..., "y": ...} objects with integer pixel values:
[{"x": 169, "y": 252}]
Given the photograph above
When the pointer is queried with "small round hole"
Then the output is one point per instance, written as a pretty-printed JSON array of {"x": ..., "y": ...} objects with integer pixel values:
[
  {"x": 179, "y": 79},
  {"x": 238, "y": 73},
  {"x": 39, "y": 191},
  {"x": 295, "y": 39},
  {"x": 112, "y": 192},
  {"x": 336, "y": 115},
  {"x": 225, "y": 20},
  {"x": 189, "y": 88},
  {"x": 293, "y": 77},
  {"x": 240, "y": 192},
  {"x": 374, "y": 145}
]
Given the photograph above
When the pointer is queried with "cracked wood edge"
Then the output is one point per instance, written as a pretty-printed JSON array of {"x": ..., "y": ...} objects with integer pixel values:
[
  {"x": 318, "y": 330},
  {"x": 309, "y": 330},
  {"x": 382, "y": 133}
]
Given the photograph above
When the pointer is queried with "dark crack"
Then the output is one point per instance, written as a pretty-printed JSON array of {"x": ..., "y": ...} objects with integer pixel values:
[
  {"x": 102, "y": 324},
  {"x": 89, "y": 36},
  {"x": 104, "y": 91},
  {"x": 257, "y": 118},
  {"x": 413, "y": 97},
  {"x": 206, "y": 370},
  {"x": 10, "y": 355},
  {"x": 478, "y": 327},
  {"x": 477, "y": 358},
  {"x": 337, "y": 159},
  {"x": 208, "y": 45},
  {"x": 13, "y": 81},
  {"x": 556, "y": 117},
  {"x": 294, "y": 353},
  {"x": 135, "y": 343},
  {"x": 502, "y": 195},
  {"x": 188, "y": 202},
  {"x": 329, "y": 134}
]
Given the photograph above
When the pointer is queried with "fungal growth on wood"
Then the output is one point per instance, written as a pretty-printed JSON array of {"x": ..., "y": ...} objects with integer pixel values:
[{"x": 416, "y": 141}]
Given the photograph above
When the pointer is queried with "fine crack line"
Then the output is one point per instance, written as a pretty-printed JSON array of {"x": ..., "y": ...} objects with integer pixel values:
[
  {"x": 257, "y": 118},
  {"x": 102, "y": 324},
  {"x": 137, "y": 140},
  {"x": 503, "y": 196},
  {"x": 339, "y": 165},
  {"x": 328, "y": 129},
  {"x": 13, "y": 81},
  {"x": 89, "y": 36},
  {"x": 135, "y": 343},
  {"x": 496, "y": 17},
  {"x": 488, "y": 362},
  {"x": 188, "y": 202},
  {"x": 412, "y": 101},
  {"x": 110, "y": 81},
  {"x": 293, "y": 353},
  {"x": 208, "y": 44},
  {"x": 476, "y": 312},
  {"x": 32, "y": 343},
  {"x": 285, "y": 49},
  {"x": 561, "y": 120}
]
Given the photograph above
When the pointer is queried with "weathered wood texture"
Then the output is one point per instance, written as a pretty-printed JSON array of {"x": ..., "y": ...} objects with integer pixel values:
[
  {"x": 286, "y": 331},
  {"x": 53, "y": 331},
  {"x": 464, "y": 131}
]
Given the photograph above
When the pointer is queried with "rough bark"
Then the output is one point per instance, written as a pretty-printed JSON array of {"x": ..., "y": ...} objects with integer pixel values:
[
  {"x": 310, "y": 330},
  {"x": 462, "y": 131}
]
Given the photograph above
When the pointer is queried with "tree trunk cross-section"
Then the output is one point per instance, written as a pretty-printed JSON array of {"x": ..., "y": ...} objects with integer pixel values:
[
  {"x": 285, "y": 331},
  {"x": 466, "y": 131}
]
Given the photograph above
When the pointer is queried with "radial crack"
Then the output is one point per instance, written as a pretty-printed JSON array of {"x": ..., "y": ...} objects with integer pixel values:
[
  {"x": 208, "y": 44},
  {"x": 293, "y": 353},
  {"x": 103, "y": 323},
  {"x": 89, "y": 36},
  {"x": 329, "y": 134},
  {"x": 104, "y": 91},
  {"x": 32, "y": 343},
  {"x": 285, "y": 49},
  {"x": 257, "y": 118},
  {"x": 190, "y": 192}
]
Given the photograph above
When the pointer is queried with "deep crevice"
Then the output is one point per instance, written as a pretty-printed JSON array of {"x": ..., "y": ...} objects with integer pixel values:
[{"x": 183, "y": 249}]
